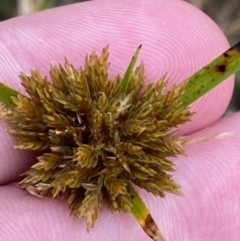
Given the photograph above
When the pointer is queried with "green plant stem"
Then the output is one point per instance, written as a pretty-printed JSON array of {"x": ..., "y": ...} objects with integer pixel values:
[
  {"x": 143, "y": 216},
  {"x": 127, "y": 75},
  {"x": 6, "y": 94},
  {"x": 212, "y": 74}
]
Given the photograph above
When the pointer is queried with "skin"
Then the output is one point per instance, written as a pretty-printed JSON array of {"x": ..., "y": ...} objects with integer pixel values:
[{"x": 176, "y": 38}]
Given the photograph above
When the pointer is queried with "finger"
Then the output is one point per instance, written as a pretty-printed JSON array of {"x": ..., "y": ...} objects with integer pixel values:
[
  {"x": 210, "y": 180},
  {"x": 176, "y": 38}
]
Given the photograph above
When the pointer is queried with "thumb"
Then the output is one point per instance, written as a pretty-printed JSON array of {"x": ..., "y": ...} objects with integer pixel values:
[{"x": 209, "y": 210}]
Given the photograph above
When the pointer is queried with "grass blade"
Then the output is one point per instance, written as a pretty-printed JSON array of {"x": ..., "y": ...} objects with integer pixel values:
[
  {"x": 212, "y": 74},
  {"x": 6, "y": 94},
  {"x": 129, "y": 70},
  {"x": 143, "y": 216}
]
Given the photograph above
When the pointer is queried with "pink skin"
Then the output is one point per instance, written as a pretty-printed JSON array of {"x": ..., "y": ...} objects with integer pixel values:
[{"x": 176, "y": 38}]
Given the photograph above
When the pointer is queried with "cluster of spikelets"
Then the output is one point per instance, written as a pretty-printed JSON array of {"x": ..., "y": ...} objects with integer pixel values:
[{"x": 94, "y": 139}]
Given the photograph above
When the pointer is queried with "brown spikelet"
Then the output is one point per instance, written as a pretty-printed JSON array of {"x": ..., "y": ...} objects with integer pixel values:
[{"x": 96, "y": 140}]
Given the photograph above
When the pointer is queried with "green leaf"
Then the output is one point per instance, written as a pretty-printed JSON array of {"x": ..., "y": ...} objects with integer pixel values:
[
  {"x": 6, "y": 94},
  {"x": 212, "y": 74},
  {"x": 127, "y": 75},
  {"x": 143, "y": 216},
  {"x": 46, "y": 4}
]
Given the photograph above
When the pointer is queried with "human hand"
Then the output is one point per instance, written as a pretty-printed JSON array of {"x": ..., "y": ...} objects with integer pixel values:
[{"x": 177, "y": 39}]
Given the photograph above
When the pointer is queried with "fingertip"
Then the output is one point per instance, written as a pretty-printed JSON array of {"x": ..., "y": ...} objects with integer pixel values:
[{"x": 176, "y": 38}]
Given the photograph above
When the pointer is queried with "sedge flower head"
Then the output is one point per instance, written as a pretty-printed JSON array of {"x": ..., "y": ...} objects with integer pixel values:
[{"x": 96, "y": 140}]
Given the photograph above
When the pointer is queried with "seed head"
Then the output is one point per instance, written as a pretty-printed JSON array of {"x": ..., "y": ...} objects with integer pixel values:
[{"x": 96, "y": 140}]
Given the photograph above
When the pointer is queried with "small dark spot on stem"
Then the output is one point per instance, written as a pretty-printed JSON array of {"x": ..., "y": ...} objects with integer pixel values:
[
  {"x": 226, "y": 54},
  {"x": 221, "y": 68},
  {"x": 149, "y": 220}
]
